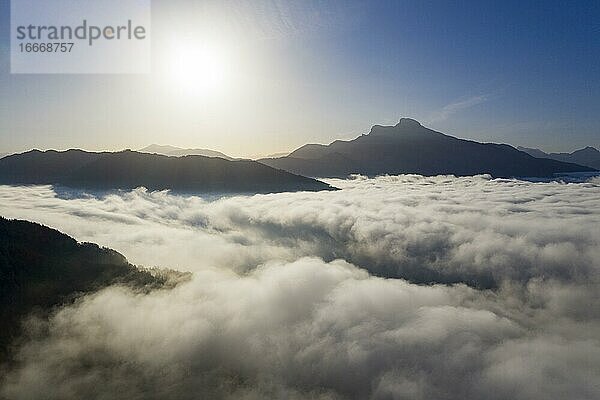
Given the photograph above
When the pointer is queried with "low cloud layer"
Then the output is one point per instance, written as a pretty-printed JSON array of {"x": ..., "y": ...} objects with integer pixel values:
[
  {"x": 426, "y": 230},
  {"x": 391, "y": 288}
]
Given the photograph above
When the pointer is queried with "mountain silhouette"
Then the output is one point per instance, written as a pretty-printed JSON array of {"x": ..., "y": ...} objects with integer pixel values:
[
  {"x": 41, "y": 268},
  {"x": 409, "y": 147},
  {"x": 588, "y": 156},
  {"x": 129, "y": 169},
  {"x": 167, "y": 150}
]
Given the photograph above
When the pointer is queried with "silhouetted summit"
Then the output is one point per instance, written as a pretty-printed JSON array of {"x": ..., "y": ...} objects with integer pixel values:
[
  {"x": 129, "y": 169},
  {"x": 409, "y": 147}
]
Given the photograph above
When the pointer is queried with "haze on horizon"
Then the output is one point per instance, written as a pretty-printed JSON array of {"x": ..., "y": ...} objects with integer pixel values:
[{"x": 252, "y": 79}]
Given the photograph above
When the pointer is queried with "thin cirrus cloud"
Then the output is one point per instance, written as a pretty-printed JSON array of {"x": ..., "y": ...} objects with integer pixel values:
[
  {"x": 457, "y": 106},
  {"x": 394, "y": 287}
]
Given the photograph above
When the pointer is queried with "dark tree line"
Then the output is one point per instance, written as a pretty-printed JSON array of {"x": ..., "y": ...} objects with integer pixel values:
[{"x": 41, "y": 268}]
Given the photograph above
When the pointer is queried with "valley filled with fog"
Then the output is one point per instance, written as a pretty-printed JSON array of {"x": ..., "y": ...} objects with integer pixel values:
[{"x": 397, "y": 287}]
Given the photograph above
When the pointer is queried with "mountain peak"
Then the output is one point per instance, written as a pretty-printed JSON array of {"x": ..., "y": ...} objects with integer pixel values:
[
  {"x": 159, "y": 148},
  {"x": 409, "y": 123},
  {"x": 405, "y": 126},
  {"x": 410, "y": 148}
]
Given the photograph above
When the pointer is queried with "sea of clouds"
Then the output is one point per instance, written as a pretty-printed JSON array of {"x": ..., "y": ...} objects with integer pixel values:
[{"x": 400, "y": 287}]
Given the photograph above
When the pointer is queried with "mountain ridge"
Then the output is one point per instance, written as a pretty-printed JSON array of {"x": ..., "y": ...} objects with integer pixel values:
[
  {"x": 41, "y": 268},
  {"x": 588, "y": 156},
  {"x": 129, "y": 169},
  {"x": 409, "y": 147},
  {"x": 173, "y": 151}
]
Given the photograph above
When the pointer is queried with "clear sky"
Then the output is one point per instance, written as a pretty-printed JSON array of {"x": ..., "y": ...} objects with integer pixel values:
[{"x": 525, "y": 73}]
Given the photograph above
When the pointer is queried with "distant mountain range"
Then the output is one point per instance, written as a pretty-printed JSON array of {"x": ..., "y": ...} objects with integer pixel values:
[
  {"x": 276, "y": 155},
  {"x": 129, "y": 169},
  {"x": 41, "y": 268},
  {"x": 409, "y": 147},
  {"x": 588, "y": 156},
  {"x": 173, "y": 151}
]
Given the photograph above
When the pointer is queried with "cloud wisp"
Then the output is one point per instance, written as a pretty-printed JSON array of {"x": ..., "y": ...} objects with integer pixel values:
[
  {"x": 459, "y": 105},
  {"x": 394, "y": 287}
]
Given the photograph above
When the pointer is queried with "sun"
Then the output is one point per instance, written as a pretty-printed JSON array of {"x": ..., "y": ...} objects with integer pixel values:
[{"x": 199, "y": 69}]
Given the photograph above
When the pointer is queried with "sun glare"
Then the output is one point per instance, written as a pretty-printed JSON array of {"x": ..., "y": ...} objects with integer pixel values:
[{"x": 199, "y": 70}]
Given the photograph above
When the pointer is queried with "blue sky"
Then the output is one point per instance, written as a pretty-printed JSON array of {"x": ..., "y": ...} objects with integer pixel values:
[{"x": 525, "y": 73}]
